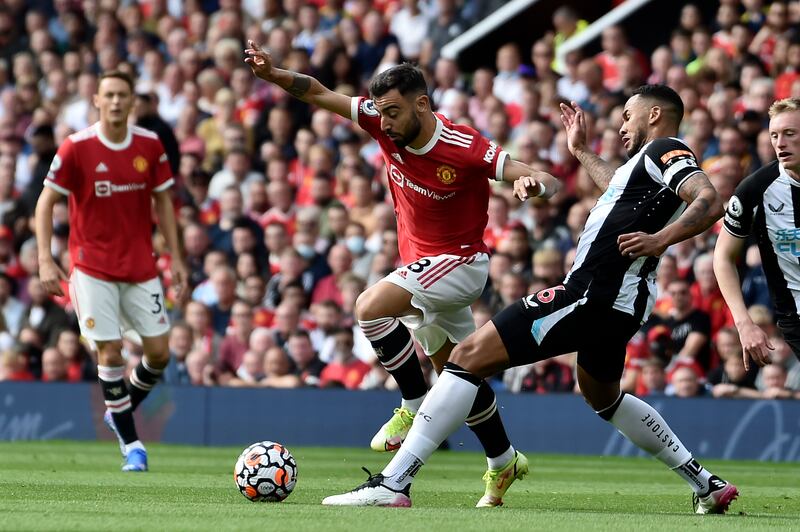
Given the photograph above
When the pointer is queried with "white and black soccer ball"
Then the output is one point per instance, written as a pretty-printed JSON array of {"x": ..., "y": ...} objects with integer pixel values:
[{"x": 266, "y": 471}]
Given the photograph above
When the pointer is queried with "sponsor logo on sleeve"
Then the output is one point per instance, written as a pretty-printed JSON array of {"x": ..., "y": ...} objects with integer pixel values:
[
  {"x": 490, "y": 152},
  {"x": 735, "y": 206},
  {"x": 368, "y": 108}
]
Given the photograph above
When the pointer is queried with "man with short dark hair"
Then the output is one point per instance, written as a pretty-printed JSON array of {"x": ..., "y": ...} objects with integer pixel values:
[{"x": 606, "y": 296}]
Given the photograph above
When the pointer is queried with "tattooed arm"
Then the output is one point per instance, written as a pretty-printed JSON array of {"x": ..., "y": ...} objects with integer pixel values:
[
  {"x": 300, "y": 86},
  {"x": 705, "y": 208},
  {"x": 574, "y": 121}
]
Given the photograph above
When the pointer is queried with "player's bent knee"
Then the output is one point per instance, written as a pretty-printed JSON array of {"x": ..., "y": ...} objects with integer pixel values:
[
  {"x": 469, "y": 355},
  {"x": 365, "y": 308}
]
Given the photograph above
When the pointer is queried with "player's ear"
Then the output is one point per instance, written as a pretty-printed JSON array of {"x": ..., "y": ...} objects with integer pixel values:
[
  {"x": 655, "y": 114},
  {"x": 422, "y": 103}
]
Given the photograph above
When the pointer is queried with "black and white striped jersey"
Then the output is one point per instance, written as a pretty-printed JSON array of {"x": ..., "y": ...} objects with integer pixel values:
[
  {"x": 642, "y": 196},
  {"x": 767, "y": 204}
]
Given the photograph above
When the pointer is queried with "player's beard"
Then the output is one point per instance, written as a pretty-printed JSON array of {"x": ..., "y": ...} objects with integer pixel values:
[
  {"x": 413, "y": 132},
  {"x": 637, "y": 141}
]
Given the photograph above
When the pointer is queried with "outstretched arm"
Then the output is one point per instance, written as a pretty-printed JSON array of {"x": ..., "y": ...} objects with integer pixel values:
[
  {"x": 300, "y": 86},
  {"x": 574, "y": 120},
  {"x": 529, "y": 182}
]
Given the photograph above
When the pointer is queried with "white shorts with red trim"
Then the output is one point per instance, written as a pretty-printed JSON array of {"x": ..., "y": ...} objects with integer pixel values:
[
  {"x": 107, "y": 308},
  {"x": 443, "y": 288}
]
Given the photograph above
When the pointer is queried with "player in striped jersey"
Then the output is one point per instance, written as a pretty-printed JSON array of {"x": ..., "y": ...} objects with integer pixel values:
[
  {"x": 607, "y": 295},
  {"x": 766, "y": 204},
  {"x": 438, "y": 179}
]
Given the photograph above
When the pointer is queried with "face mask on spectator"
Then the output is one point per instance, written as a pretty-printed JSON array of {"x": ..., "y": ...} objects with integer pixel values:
[
  {"x": 355, "y": 244},
  {"x": 306, "y": 251}
]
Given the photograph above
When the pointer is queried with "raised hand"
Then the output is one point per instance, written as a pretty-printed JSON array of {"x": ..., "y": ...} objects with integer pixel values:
[
  {"x": 259, "y": 60},
  {"x": 574, "y": 120}
]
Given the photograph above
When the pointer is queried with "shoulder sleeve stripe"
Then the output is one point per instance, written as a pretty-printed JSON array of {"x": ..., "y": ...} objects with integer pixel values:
[
  {"x": 165, "y": 185},
  {"x": 679, "y": 185},
  {"x": 501, "y": 163},
  {"x": 137, "y": 130},
  {"x": 84, "y": 134},
  {"x": 457, "y": 134},
  {"x": 450, "y": 136},
  {"x": 354, "y": 108},
  {"x": 458, "y": 143},
  {"x": 57, "y": 188}
]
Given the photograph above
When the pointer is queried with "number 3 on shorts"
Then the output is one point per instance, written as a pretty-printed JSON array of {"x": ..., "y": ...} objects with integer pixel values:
[{"x": 156, "y": 303}]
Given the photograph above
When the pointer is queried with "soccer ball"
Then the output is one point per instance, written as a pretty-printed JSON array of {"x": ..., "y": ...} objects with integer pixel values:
[{"x": 265, "y": 471}]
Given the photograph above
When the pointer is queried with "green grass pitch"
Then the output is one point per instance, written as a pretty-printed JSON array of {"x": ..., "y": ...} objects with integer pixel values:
[{"x": 78, "y": 486}]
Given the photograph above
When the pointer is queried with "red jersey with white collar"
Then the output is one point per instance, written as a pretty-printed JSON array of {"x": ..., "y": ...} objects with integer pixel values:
[
  {"x": 440, "y": 191},
  {"x": 110, "y": 211}
]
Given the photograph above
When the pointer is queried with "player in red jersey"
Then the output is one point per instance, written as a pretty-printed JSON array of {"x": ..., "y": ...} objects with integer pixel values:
[
  {"x": 111, "y": 172},
  {"x": 438, "y": 177}
]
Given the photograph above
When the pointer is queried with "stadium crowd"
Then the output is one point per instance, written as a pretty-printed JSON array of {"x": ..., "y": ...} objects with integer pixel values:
[{"x": 283, "y": 209}]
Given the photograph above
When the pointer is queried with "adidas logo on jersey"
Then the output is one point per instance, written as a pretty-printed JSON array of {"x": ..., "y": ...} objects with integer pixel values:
[
  {"x": 101, "y": 167},
  {"x": 398, "y": 158}
]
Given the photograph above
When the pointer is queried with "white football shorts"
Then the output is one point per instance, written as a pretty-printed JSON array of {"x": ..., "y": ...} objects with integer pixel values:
[
  {"x": 443, "y": 288},
  {"x": 106, "y": 308}
]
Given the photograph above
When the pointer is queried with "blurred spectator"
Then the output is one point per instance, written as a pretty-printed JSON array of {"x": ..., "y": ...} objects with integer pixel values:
[
  {"x": 235, "y": 343},
  {"x": 410, "y": 26},
  {"x": 547, "y": 376},
  {"x": 54, "y": 366},
  {"x": 181, "y": 342},
  {"x": 14, "y": 366},
  {"x": 732, "y": 380},
  {"x": 774, "y": 383},
  {"x": 13, "y": 308},
  {"x": 43, "y": 314},
  {"x": 223, "y": 282},
  {"x": 80, "y": 365},
  {"x": 706, "y": 295},
  {"x": 690, "y": 328},
  {"x": 205, "y": 338},
  {"x": 344, "y": 370},
  {"x": 340, "y": 261},
  {"x": 277, "y": 370},
  {"x": 305, "y": 361},
  {"x": 686, "y": 383},
  {"x": 653, "y": 380},
  {"x": 508, "y": 82}
]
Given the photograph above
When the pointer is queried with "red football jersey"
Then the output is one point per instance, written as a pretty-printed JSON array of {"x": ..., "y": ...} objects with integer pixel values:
[
  {"x": 441, "y": 191},
  {"x": 110, "y": 211}
]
